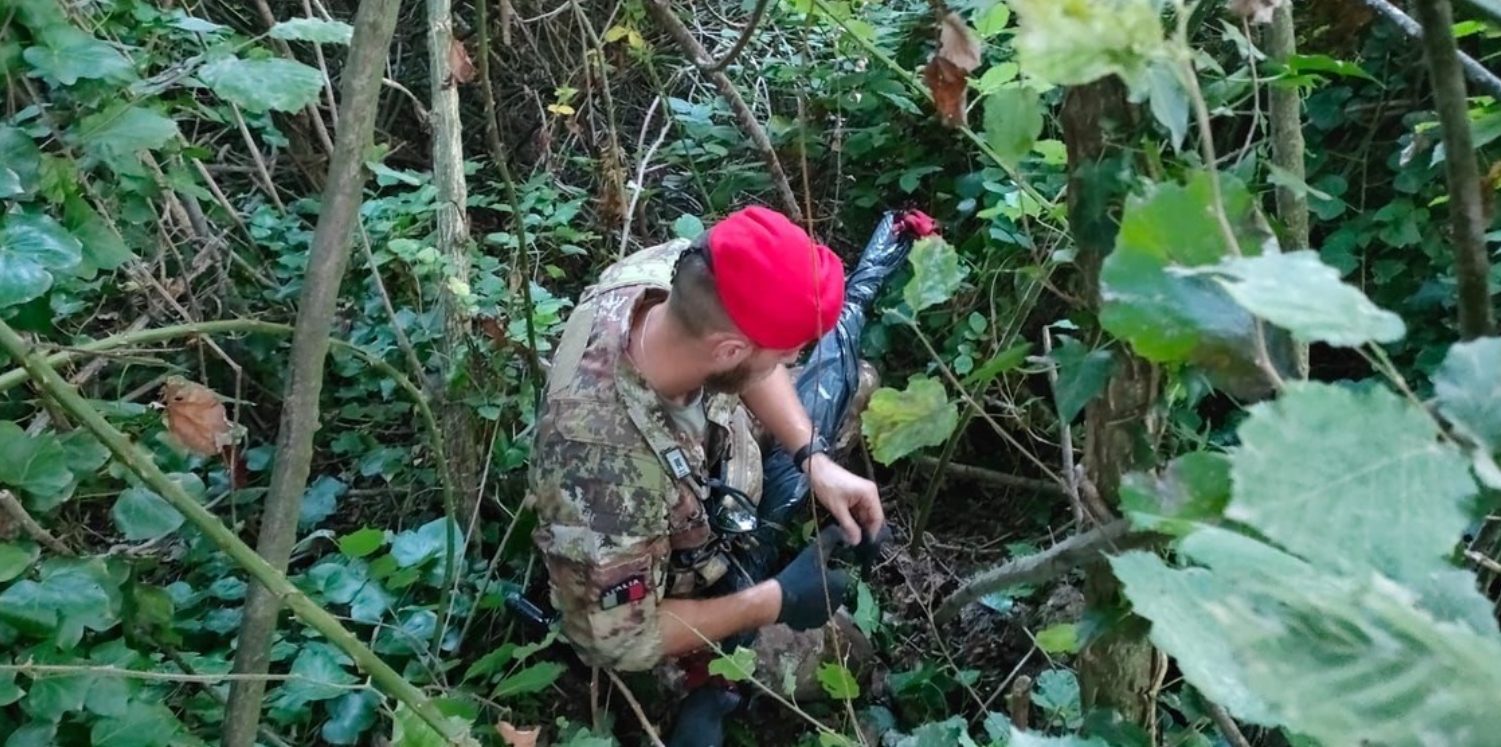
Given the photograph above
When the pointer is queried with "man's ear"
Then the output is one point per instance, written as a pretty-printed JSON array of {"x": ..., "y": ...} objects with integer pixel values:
[{"x": 727, "y": 349}]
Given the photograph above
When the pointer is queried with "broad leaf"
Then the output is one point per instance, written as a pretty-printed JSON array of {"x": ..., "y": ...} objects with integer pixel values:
[
  {"x": 492, "y": 662},
  {"x": 350, "y": 716},
  {"x": 1061, "y": 638},
  {"x": 123, "y": 131},
  {"x": 70, "y": 55},
  {"x": 141, "y": 515},
  {"x": 314, "y": 30},
  {"x": 1013, "y": 120},
  {"x": 533, "y": 679},
  {"x": 837, "y": 681},
  {"x": 1352, "y": 480},
  {"x": 10, "y": 183},
  {"x": 1169, "y": 101},
  {"x": 38, "y": 466},
  {"x": 1298, "y": 292},
  {"x": 16, "y": 557},
  {"x": 1003, "y": 361},
  {"x": 1468, "y": 388},
  {"x": 1057, "y": 694},
  {"x": 19, "y": 154},
  {"x": 1082, "y": 374},
  {"x": 1167, "y": 316},
  {"x": 320, "y": 500},
  {"x": 263, "y": 84},
  {"x": 688, "y": 227},
  {"x": 1193, "y": 488},
  {"x": 142, "y": 725},
  {"x": 993, "y": 20},
  {"x": 69, "y": 597},
  {"x": 867, "y": 615},
  {"x": 897, "y": 423},
  {"x": 737, "y": 667},
  {"x": 936, "y": 274},
  {"x": 32, "y": 247},
  {"x": 409, "y": 730},
  {"x": 1073, "y": 42},
  {"x": 318, "y": 674},
  {"x": 414, "y": 547},
  {"x": 360, "y": 543}
]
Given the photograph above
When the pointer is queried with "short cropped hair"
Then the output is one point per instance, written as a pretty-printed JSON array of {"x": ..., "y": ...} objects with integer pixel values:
[{"x": 694, "y": 300}]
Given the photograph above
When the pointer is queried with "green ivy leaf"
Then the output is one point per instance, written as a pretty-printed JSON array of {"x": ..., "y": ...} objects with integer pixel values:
[
  {"x": 21, "y": 156},
  {"x": 413, "y": 547},
  {"x": 533, "y": 679},
  {"x": 314, "y": 30},
  {"x": 1298, "y": 292},
  {"x": 737, "y": 667},
  {"x": 34, "y": 734},
  {"x": 1073, "y": 42},
  {"x": 837, "y": 681},
  {"x": 1468, "y": 388},
  {"x": 350, "y": 716},
  {"x": 70, "y": 55},
  {"x": 38, "y": 466},
  {"x": 1195, "y": 487},
  {"x": 142, "y": 515},
  {"x": 936, "y": 274},
  {"x": 360, "y": 543},
  {"x": 1082, "y": 374},
  {"x": 688, "y": 227},
  {"x": 1013, "y": 120},
  {"x": 103, "y": 249},
  {"x": 83, "y": 451},
  {"x": 409, "y": 730},
  {"x": 69, "y": 597},
  {"x": 263, "y": 84},
  {"x": 16, "y": 557},
  {"x": 320, "y": 500},
  {"x": 32, "y": 247},
  {"x": 10, "y": 183},
  {"x": 318, "y": 673},
  {"x": 867, "y": 614},
  {"x": 1062, "y": 638},
  {"x": 122, "y": 131},
  {"x": 897, "y": 423},
  {"x": 1057, "y": 694}
]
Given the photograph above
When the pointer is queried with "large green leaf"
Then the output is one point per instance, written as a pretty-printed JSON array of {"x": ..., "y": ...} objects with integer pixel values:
[
  {"x": 1169, "y": 101},
  {"x": 533, "y": 679},
  {"x": 261, "y": 84},
  {"x": 38, "y": 466},
  {"x": 737, "y": 667},
  {"x": 68, "y": 597},
  {"x": 103, "y": 249},
  {"x": 313, "y": 30},
  {"x": 18, "y": 152},
  {"x": 1072, "y": 42},
  {"x": 409, "y": 730},
  {"x": 1298, "y": 292},
  {"x": 1013, "y": 120},
  {"x": 141, "y": 515},
  {"x": 318, "y": 674},
  {"x": 414, "y": 547},
  {"x": 144, "y": 724},
  {"x": 1468, "y": 388},
  {"x": 123, "y": 131},
  {"x": 16, "y": 557},
  {"x": 897, "y": 423},
  {"x": 837, "y": 681},
  {"x": 70, "y": 55},
  {"x": 350, "y": 716},
  {"x": 362, "y": 542},
  {"x": 1167, "y": 316},
  {"x": 1343, "y": 659},
  {"x": 1352, "y": 480},
  {"x": 32, "y": 247},
  {"x": 1082, "y": 374},
  {"x": 936, "y": 274},
  {"x": 10, "y": 183},
  {"x": 320, "y": 500}
]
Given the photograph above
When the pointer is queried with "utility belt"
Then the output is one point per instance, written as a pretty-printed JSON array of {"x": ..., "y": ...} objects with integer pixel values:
[{"x": 729, "y": 498}]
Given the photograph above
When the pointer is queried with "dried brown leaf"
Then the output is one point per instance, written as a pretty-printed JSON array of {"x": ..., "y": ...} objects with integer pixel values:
[
  {"x": 518, "y": 737},
  {"x": 958, "y": 44},
  {"x": 946, "y": 82},
  {"x": 196, "y": 417},
  {"x": 460, "y": 69}
]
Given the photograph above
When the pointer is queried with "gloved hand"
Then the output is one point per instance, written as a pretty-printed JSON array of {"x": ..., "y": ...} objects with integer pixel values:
[
  {"x": 810, "y": 591},
  {"x": 700, "y": 721},
  {"x": 872, "y": 547}
]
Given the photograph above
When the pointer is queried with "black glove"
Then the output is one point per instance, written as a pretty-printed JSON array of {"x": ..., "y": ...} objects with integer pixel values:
[
  {"x": 810, "y": 591},
  {"x": 872, "y": 546},
  {"x": 700, "y": 721}
]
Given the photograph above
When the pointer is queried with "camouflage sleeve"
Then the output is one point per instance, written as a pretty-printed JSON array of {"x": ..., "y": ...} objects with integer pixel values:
[
  {"x": 603, "y": 534},
  {"x": 607, "y": 589}
]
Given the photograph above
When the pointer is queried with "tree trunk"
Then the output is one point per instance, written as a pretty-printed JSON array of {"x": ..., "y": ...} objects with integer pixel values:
[
  {"x": 453, "y": 243},
  {"x": 1466, "y": 211},
  {"x": 1286, "y": 119},
  {"x": 360, "y": 94},
  {"x": 1115, "y": 669}
]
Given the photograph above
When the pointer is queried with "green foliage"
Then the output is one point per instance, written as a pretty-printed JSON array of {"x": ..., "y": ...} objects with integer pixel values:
[
  {"x": 32, "y": 248},
  {"x": 898, "y": 423},
  {"x": 837, "y": 681},
  {"x": 141, "y": 514},
  {"x": 1469, "y": 396},
  {"x": 1072, "y": 42},
  {"x": 1013, "y": 120},
  {"x": 1082, "y": 374},
  {"x": 1061, "y": 638},
  {"x": 936, "y": 274},
  {"x": 533, "y": 679},
  {"x": 1194, "y": 487},
  {"x": 68, "y": 55},
  {"x": 737, "y": 667},
  {"x": 120, "y": 132},
  {"x": 314, "y": 30},
  {"x": 263, "y": 84}
]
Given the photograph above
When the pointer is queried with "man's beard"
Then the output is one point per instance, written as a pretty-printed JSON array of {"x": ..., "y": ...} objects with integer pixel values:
[{"x": 735, "y": 380}]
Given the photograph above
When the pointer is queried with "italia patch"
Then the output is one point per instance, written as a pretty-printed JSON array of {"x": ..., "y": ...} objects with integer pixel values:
[{"x": 628, "y": 591}]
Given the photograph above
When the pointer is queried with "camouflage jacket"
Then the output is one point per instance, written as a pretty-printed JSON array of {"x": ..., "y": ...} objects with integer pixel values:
[{"x": 621, "y": 513}]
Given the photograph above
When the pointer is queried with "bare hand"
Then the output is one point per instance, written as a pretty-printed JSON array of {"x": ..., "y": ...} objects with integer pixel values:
[{"x": 853, "y": 501}]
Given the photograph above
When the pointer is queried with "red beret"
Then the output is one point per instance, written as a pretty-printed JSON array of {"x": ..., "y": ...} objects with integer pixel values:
[{"x": 781, "y": 289}]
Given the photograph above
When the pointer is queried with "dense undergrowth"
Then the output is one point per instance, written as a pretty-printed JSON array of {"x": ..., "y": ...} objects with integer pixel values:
[{"x": 1106, "y": 339}]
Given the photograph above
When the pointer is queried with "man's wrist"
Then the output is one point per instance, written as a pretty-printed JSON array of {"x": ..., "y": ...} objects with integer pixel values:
[{"x": 767, "y": 602}]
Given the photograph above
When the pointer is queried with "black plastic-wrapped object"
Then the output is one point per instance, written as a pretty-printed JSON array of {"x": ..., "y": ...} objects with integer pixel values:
[{"x": 826, "y": 386}]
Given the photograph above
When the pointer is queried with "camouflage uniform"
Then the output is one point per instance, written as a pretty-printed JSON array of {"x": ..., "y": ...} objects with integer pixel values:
[{"x": 614, "y": 480}]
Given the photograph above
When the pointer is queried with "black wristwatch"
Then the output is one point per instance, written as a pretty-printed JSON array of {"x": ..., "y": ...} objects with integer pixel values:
[{"x": 817, "y": 446}]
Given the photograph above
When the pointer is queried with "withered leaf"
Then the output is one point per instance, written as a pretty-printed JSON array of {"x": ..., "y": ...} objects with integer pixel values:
[
  {"x": 958, "y": 44},
  {"x": 517, "y": 737},
  {"x": 460, "y": 69},
  {"x": 196, "y": 417},
  {"x": 946, "y": 81}
]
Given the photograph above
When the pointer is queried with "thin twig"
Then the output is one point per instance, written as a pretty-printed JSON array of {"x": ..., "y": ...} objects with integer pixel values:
[
  {"x": 1066, "y": 435},
  {"x": 1227, "y": 725},
  {"x": 260, "y": 162},
  {"x": 630, "y": 700},
  {"x": 745, "y": 35},
  {"x": 639, "y": 185},
  {"x": 18, "y": 513}
]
